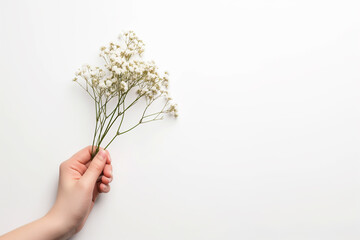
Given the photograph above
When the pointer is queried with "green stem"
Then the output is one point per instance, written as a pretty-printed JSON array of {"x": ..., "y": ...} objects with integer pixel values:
[{"x": 96, "y": 113}]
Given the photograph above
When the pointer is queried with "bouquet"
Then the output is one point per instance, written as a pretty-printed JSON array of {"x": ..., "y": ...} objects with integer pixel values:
[{"x": 124, "y": 75}]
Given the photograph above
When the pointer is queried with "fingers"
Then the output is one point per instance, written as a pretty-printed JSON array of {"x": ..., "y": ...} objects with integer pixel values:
[
  {"x": 83, "y": 156},
  {"x": 96, "y": 167},
  {"x": 106, "y": 180},
  {"x": 105, "y": 188},
  {"x": 107, "y": 176},
  {"x": 108, "y": 171},
  {"x": 102, "y": 186}
]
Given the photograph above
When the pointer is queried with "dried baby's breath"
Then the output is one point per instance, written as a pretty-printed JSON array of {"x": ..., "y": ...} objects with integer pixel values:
[{"x": 124, "y": 70}]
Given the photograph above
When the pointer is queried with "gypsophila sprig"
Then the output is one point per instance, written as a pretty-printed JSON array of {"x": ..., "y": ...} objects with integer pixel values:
[{"x": 124, "y": 70}]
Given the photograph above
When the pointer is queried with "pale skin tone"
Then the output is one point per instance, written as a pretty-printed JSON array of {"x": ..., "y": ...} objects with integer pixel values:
[{"x": 81, "y": 180}]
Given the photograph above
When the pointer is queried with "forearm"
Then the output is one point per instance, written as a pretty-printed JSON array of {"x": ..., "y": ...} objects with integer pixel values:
[{"x": 45, "y": 228}]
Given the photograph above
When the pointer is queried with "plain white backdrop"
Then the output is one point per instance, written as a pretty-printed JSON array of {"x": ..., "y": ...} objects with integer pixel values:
[{"x": 267, "y": 142}]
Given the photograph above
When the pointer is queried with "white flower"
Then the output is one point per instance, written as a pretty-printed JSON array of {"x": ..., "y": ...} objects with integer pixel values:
[
  {"x": 108, "y": 83},
  {"x": 93, "y": 73},
  {"x": 154, "y": 90},
  {"x": 102, "y": 85},
  {"x": 163, "y": 90},
  {"x": 123, "y": 86},
  {"x": 86, "y": 76},
  {"x": 173, "y": 109}
]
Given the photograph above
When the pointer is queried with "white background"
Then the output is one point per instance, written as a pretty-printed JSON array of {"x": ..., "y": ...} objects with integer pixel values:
[{"x": 267, "y": 142}]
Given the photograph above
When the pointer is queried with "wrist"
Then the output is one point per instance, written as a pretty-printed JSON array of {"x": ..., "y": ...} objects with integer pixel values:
[
  {"x": 58, "y": 226},
  {"x": 46, "y": 228}
]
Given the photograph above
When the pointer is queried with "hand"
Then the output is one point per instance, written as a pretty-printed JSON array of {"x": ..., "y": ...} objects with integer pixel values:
[{"x": 80, "y": 182}]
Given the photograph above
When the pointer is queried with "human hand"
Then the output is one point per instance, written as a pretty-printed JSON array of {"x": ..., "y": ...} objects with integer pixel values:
[{"x": 80, "y": 182}]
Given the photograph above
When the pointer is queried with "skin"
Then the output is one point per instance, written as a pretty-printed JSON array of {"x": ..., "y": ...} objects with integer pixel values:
[{"x": 81, "y": 180}]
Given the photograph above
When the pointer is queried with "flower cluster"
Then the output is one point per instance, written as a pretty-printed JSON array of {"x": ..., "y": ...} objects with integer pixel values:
[{"x": 125, "y": 70}]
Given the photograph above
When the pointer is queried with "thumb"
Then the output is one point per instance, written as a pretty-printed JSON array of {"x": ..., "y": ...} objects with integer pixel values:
[{"x": 95, "y": 168}]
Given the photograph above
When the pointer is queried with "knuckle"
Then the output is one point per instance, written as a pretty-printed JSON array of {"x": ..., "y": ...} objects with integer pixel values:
[
  {"x": 97, "y": 166},
  {"x": 62, "y": 166}
]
